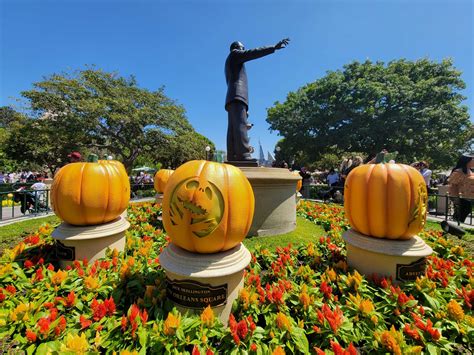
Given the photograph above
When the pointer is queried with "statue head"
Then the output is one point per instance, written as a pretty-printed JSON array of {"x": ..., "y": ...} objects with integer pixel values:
[{"x": 237, "y": 45}]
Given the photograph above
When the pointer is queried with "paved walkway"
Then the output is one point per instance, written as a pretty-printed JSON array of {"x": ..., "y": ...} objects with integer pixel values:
[
  {"x": 441, "y": 218},
  {"x": 8, "y": 218},
  {"x": 18, "y": 216}
]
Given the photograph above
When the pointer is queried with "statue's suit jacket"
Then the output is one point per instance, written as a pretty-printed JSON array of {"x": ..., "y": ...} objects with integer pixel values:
[{"x": 235, "y": 74}]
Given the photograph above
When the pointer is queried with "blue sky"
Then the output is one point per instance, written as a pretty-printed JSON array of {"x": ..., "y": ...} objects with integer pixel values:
[{"x": 182, "y": 45}]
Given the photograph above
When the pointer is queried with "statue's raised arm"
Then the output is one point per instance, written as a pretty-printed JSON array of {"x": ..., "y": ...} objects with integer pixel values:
[{"x": 282, "y": 44}]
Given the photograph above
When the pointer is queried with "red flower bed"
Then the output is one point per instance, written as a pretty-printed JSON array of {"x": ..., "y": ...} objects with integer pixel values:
[{"x": 301, "y": 299}]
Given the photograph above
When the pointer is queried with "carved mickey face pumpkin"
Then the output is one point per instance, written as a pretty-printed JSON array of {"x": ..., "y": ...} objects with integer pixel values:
[
  {"x": 208, "y": 207},
  {"x": 202, "y": 201}
]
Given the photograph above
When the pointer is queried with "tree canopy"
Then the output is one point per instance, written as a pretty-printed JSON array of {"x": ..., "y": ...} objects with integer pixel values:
[
  {"x": 93, "y": 110},
  {"x": 414, "y": 108}
]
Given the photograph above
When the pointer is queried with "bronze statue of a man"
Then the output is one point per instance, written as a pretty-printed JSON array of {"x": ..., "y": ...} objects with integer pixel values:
[{"x": 236, "y": 101}]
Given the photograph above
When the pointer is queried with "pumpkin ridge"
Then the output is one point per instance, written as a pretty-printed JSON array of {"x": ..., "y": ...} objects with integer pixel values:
[
  {"x": 347, "y": 199},
  {"x": 367, "y": 197},
  {"x": 251, "y": 211},
  {"x": 411, "y": 199},
  {"x": 54, "y": 191},
  {"x": 81, "y": 173},
  {"x": 388, "y": 204},
  {"x": 107, "y": 192}
]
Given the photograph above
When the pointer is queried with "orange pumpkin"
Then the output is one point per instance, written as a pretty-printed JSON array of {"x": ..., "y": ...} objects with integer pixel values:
[
  {"x": 386, "y": 200},
  {"x": 299, "y": 183},
  {"x": 161, "y": 178},
  {"x": 90, "y": 193},
  {"x": 208, "y": 207}
]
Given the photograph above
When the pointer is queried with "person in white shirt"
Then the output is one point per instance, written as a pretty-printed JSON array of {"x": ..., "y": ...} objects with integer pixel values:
[
  {"x": 41, "y": 188},
  {"x": 425, "y": 172}
]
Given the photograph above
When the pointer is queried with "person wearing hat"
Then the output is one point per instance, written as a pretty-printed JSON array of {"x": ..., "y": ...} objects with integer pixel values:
[
  {"x": 74, "y": 157},
  {"x": 461, "y": 187},
  {"x": 236, "y": 101}
]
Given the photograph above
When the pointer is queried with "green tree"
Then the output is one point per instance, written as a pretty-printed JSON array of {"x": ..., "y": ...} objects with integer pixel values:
[
  {"x": 92, "y": 110},
  {"x": 413, "y": 108}
]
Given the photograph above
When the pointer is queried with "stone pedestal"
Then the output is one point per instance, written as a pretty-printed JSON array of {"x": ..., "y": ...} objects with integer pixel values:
[
  {"x": 159, "y": 198},
  {"x": 403, "y": 260},
  {"x": 195, "y": 281},
  {"x": 90, "y": 242},
  {"x": 275, "y": 204}
]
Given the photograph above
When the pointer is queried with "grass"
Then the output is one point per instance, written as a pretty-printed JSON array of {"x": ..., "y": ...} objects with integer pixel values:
[
  {"x": 467, "y": 241},
  {"x": 304, "y": 233},
  {"x": 13, "y": 233}
]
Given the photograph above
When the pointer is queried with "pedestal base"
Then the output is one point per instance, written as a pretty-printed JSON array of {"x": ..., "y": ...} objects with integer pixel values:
[
  {"x": 402, "y": 260},
  {"x": 90, "y": 242},
  {"x": 275, "y": 205},
  {"x": 195, "y": 281},
  {"x": 159, "y": 198}
]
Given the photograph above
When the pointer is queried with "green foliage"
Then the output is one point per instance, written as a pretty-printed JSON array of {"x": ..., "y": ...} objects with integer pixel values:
[
  {"x": 410, "y": 107},
  {"x": 295, "y": 299},
  {"x": 92, "y": 110}
]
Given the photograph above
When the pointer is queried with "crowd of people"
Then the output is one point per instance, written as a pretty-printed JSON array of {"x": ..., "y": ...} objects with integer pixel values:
[
  {"x": 460, "y": 180},
  {"x": 22, "y": 177}
]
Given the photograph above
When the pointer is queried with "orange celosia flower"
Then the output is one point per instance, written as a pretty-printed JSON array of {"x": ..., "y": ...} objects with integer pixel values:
[
  {"x": 20, "y": 313},
  {"x": 58, "y": 277},
  {"x": 208, "y": 317},
  {"x": 91, "y": 283},
  {"x": 455, "y": 311},
  {"x": 331, "y": 274},
  {"x": 128, "y": 352},
  {"x": 278, "y": 351},
  {"x": 354, "y": 280},
  {"x": 283, "y": 322},
  {"x": 388, "y": 340},
  {"x": 305, "y": 300},
  {"x": 366, "y": 306},
  {"x": 244, "y": 296},
  {"x": 171, "y": 324}
]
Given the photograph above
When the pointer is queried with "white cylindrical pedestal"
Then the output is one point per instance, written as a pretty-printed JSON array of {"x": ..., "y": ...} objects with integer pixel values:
[
  {"x": 403, "y": 260},
  {"x": 90, "y": 242},
  {"x": 195, "y": 281},
  {"x": 275, "y": 204},
  {"x": 159, "y": 198}
]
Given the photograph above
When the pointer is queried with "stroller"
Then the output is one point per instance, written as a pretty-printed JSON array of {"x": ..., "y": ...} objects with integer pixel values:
[{"x": 31, "y": 201}]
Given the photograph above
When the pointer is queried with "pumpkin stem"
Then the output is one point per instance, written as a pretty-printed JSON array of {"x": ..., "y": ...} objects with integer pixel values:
[
  {"x": 380, "y": 158},
  {"x": 92, "y": 158}
]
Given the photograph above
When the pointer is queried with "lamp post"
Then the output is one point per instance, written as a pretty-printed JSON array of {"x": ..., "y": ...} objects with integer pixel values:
[{"x": 208, "y": 149}]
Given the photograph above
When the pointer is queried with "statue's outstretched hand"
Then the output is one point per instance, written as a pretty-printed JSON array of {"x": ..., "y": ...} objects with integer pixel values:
[{"x": 282, "y": 44}]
